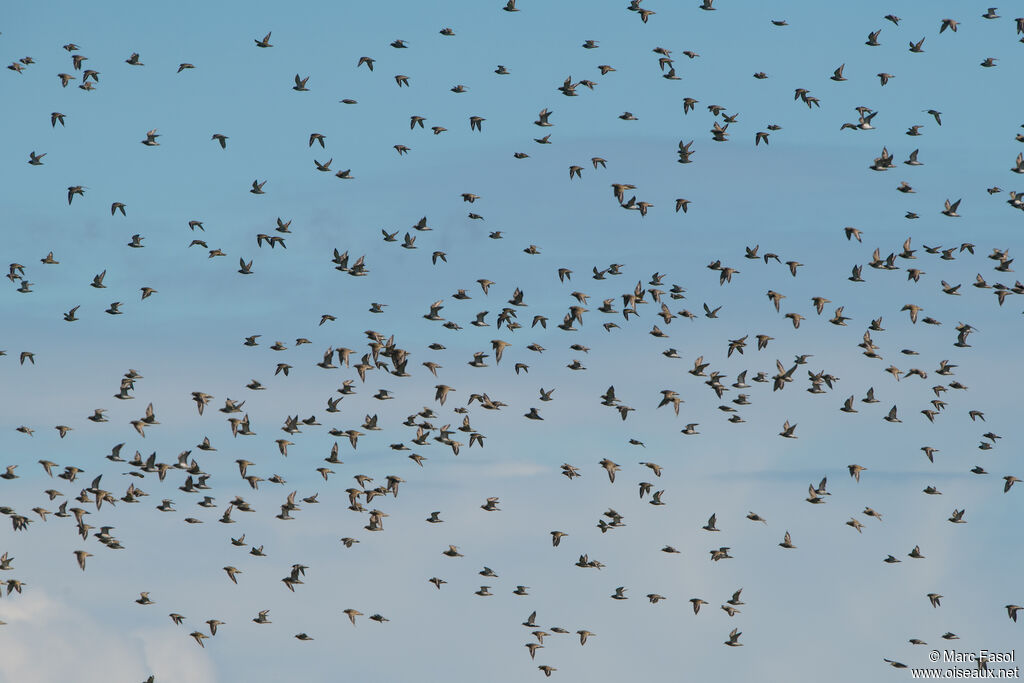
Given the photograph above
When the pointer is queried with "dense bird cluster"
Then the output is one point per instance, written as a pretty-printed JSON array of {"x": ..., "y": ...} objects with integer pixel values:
[{"x": 403, "y": 359}]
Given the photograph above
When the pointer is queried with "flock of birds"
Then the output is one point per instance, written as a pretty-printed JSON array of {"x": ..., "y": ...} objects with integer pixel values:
[{"x": 87, "y": 498}]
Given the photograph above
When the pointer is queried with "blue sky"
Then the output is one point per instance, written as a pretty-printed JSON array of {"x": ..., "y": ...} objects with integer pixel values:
[{"x": 831, "y": 603}]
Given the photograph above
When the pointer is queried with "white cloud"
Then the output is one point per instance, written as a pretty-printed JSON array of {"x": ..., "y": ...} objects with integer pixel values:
[{"x": 46, "y": 639}]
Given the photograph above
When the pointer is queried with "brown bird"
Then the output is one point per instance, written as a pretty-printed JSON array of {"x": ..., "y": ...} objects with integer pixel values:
[{"x": 81, "y": 555}]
